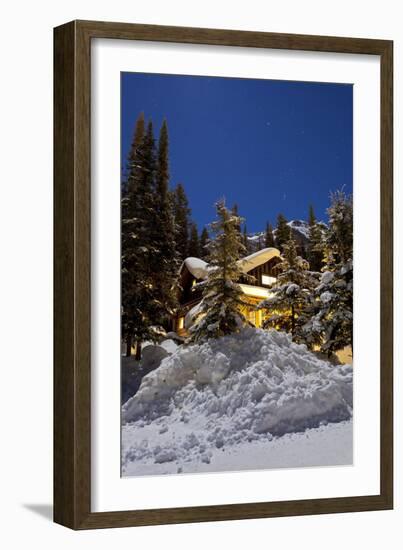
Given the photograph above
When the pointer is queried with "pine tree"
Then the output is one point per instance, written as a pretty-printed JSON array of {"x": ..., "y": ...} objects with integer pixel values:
[
  {"x": 245, "y": 240},
  {"x": 133, "y": 156},
  {"x": 333, "y": 322},
  {"x": 194, "y": 244},
  {"x": 204, "y": 240},
  {"x": 290, "y": 299},
  {"x": 165, "y": 261},
  {"x": 339, "y": 238},
  {"x": 236, "y": 213},
  {"x": 138, "y": 136},
  {"x": 222, "y": 296},
  {"x": 139, "y": 300},
  {"x": 315, "y": 245},
  {"x": 181, "y": 215},
  {"x": 311, "y": 216},
  {"x": 283, "y": 233},
  {"x": 269, "y": 239}
]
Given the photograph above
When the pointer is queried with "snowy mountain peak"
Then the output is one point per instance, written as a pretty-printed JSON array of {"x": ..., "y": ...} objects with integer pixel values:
[{"x": 299, "y": 228}]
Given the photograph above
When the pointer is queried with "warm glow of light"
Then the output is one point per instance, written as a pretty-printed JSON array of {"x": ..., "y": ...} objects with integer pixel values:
[
  {"x": 256, "y": 291},
  {"x": 267, "y": 280},
  {"x": 252, "y": 316},
  {"x": 181, "y": 323}
]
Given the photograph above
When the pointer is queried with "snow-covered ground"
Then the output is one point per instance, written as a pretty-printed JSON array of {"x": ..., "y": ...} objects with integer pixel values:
[
  {"x": 245, "y": 401},
  {"x": 330, "y": 445}
]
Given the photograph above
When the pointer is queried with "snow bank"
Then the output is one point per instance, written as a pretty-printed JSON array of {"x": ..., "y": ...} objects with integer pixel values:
[
  {"x": 241, "y": 388},
  {"x": 169, "y": 345},
  {"x": 327, "y": 445}
]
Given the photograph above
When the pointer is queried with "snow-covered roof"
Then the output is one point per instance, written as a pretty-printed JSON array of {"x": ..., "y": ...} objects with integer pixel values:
[
  {"x": 258, "y": 258},
  {"x": 199, "y": 268}
]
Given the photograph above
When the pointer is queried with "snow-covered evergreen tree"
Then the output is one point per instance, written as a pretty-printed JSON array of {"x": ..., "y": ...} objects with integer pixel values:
[
  {"x": 165, "y": 260},
  {"x": 194, "y": 244},
  {"x": 138, "y": 136},
  {"x": 181, "y": 210},
  {"x": 333, "y": 321},
  {"x": 140, "y": 301},
  {"x": 204, "y": 240},
  {"x": 222, "y": 296},
  {"x": 133, "y": 156},
  {"x": 269, "y": 239},
  {"x": 339, "y": 238},
  {"x": 245, "y": 240},
  {"x": 235, "y": 211},
  {"x": 291, "y": 297},
  {"x": 315, "y": 247},
  {"x": 283, "y": 231}
]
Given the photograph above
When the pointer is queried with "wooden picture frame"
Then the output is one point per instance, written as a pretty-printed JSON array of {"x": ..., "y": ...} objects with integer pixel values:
[{"x": 72, "y": 270}]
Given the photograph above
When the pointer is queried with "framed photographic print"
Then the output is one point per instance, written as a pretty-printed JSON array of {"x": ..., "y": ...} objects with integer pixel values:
[{"x": 223, "y": 275}]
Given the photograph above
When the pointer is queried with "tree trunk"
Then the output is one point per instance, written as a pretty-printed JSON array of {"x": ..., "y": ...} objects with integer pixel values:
[
  {"x": 128, "y": 346},
  {"x": 292, "y": 321},
  {"x": 138, "y": 350}
]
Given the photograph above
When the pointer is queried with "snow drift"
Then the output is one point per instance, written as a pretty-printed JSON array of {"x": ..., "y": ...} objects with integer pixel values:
[{"x": 244, "y": 387}]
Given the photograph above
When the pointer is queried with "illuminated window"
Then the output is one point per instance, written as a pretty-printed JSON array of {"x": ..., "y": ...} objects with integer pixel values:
[
  {"x": 252, "y": 316},
  {"x": 181, "y": 323},
  {"x": 267, "y": 280}
]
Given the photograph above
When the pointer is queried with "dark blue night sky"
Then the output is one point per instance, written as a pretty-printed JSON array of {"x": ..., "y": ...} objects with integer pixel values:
[{"x": 269, "y": 146}]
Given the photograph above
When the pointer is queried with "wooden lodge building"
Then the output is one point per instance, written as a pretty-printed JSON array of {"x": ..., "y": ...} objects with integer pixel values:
[{"x": 261, "y": 266}]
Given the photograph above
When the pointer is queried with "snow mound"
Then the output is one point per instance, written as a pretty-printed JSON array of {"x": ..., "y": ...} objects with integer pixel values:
[
  {"x": 169, "y": 345},
  {"x": 244, "y": 387}
]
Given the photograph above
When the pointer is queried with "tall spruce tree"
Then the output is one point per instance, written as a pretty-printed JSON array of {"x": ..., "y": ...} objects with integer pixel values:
[
  {"x": 269, "y": 239},
  {"x": 291, "y": 296},
  {"x": 236, "y": 213},
  {"x": 333, "y": 322},
  {"x": 283, "y": 232},
  {"x": 138, "y": 136},
  {"x": 139, "y": 300},
  {"x": 194, "y": 244},
  {"x": 315, "y": 247},
  {"x": 245, "y": 240},
  {"x": 133, "y": 155},
  {"x": 165, "y": 260},
  {"x": 222, "y": 296},
  {"x": 339, "y": 238},
  {"x": 181, "y": 215},
  {"x": 204, "y": 240}
]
